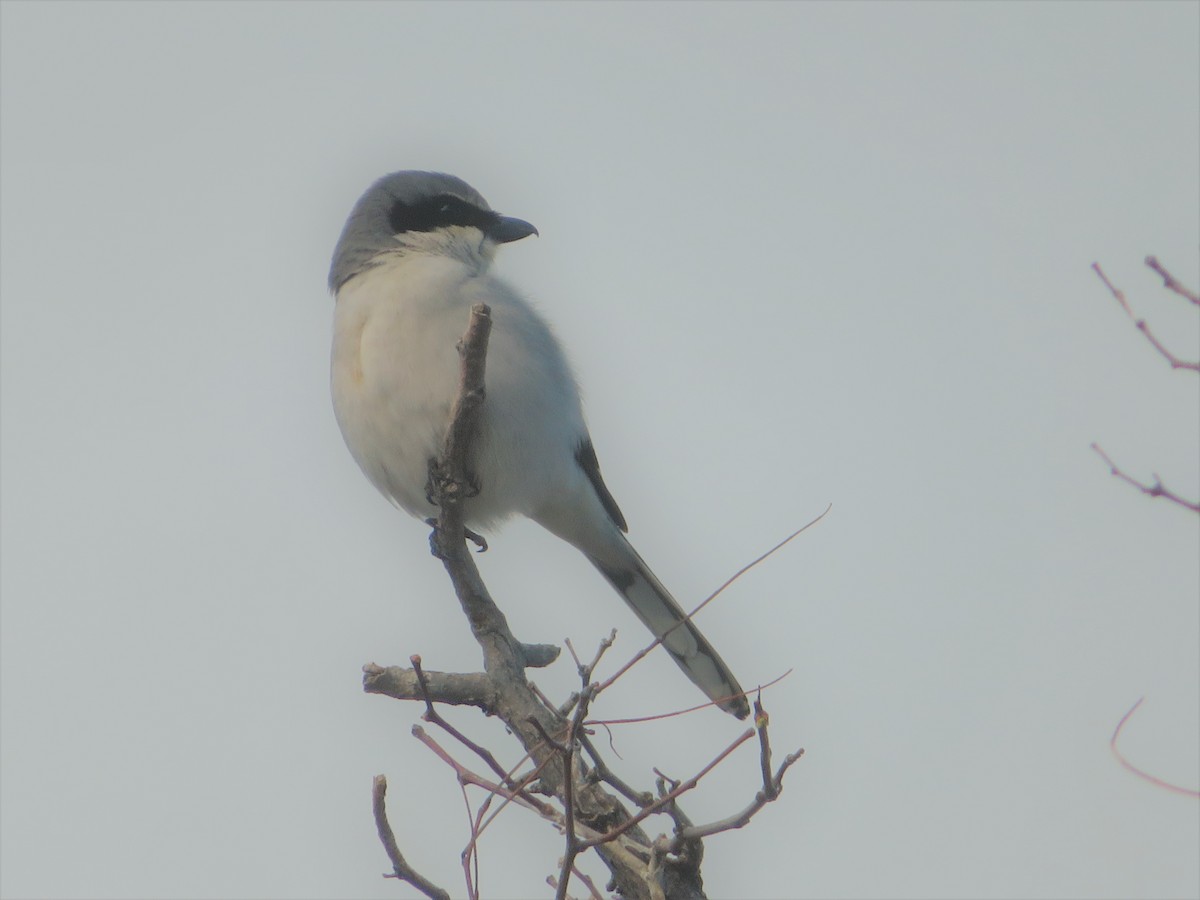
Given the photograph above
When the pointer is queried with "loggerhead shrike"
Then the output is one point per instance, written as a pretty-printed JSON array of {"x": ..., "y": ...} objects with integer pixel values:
[{"x": 412, "y": 260}]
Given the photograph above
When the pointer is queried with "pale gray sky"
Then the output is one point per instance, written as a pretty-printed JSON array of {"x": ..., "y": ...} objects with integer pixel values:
[{"x": 800, "y": 254}]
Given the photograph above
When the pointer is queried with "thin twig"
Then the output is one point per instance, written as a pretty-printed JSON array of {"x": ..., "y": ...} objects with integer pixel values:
[
  {"x": 589, "y": 884},
  {"x": 734, "y": 577},
  {"x": 470, "y": 856},
  {"x": 569, "y": 753},
  {"x": 1140, "y": 324},
  {"x": 1112, "y": 743},
  {"x": 1158, "y": 489},
  {"x": 519, "y": 796},
  {"x": 468, "y": 777},
  {"x": 600, "y": 651},
  {"x": 572, "y": 848},
  {"x": 683, "y": 787},
  {"x": 633, "y": 720},
  {"x": 772, "y": 786},
  {"x": 601, "y": 771},
  {"x": 546, "y": 812},
  {"x": 574, "y": 655},
  {"x": 1170, "y": 282},
  {"x": 761, "y": 720},
  {"x": 433, "y": 716},
  {"x": 742, "y": 818},
  {"x": 400, "y": 867}
]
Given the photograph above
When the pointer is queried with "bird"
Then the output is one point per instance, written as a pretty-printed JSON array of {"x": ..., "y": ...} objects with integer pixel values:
[{"x": 414, "y": 257}]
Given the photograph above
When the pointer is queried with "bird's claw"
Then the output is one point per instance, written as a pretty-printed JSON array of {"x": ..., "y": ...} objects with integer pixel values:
[{"x": 477, "y": 539}]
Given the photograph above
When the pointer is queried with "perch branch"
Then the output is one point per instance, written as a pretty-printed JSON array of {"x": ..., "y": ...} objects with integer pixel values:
[
  {"x": 659, "y": 804},
  {"x": 451, "y": 483}
]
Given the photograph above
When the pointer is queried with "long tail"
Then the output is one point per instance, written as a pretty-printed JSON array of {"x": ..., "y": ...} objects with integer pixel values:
[{"x": 658, "y": 610}]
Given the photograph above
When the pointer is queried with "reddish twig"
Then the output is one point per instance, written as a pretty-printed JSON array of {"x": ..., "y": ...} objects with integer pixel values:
[
  {"x": 470, "y": 856},
  {"x": 662, "y": 802},
  {"x": 772, "y": 786},
  {"x": 434, "y": 717},
  {"x": 1170, "y": 282},
  {"x": 601, "y": 770},
  {"x": 566, "y": 750},
  {"x": 707, "y": 600},
  {"x": 593, "y": 891},
  {"x": 1140, "y": 324},
  {"x": 589, "y": 884},
  {"x": 400, "y": 867},
  {"x": 1158, "y": 782},
  {"x": 466, "y": 776},
  {"x": 1152, "y": 490},
  {"x": 680, "y": 712}
]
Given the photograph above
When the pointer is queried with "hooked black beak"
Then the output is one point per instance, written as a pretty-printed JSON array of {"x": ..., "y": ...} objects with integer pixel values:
[{"x": 505, "y": 229}]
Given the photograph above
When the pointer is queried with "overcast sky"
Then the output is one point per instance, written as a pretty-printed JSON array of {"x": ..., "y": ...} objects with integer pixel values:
[{"x": 800, "y": 254}]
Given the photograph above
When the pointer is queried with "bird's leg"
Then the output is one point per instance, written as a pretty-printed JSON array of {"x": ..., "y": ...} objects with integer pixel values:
[
  {"x": 439, "y": 487},
  {"x": 473, "y": 486},
  {"x": 435, "y": 545},
  {"x": 434, "y": 482}
]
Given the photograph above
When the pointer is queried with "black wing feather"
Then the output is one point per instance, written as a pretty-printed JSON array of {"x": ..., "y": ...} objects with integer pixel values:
[{"x": 586, "y": 457}]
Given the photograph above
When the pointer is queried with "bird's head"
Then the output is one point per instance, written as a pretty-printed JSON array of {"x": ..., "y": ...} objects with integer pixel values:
[{"x": 421, "y": 212}]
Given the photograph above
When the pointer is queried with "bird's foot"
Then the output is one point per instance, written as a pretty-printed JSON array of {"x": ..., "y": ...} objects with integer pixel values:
[
  {"x": 477, "y": 539},
  {"x": 435, "y": 539}
]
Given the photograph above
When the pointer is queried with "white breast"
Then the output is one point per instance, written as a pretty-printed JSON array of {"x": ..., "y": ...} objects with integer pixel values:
[{"x": 395, "y": 373}]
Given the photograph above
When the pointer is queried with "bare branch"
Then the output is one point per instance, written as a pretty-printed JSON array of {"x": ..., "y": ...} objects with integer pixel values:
[
  {"x": 601, "y": 771},
  {"x": 470, "y": 856},
  {"x": 771, "y": 789},
  {"x": 1140, "y": 324},
  {"x": 466, "y": 776},
  {"x": 575, "y": 731},
  {"x": 742, "y": 818},
  {"x": 1169, "y": 281},
  {"x": 465, "y": 689},
  {"x": 450, "y": 480},
  {"x": 400, "y": 867},
  {"x": 504, "y": 663},
  {"x": 1152, "y": 490},
  {"x": 761, "y": 720},
  {"x": 603, "y": 647},
  {"x": 1112, "y": 743},
  {"x": 663, "y": 801},
  {"x": 433, "y": 716}
]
